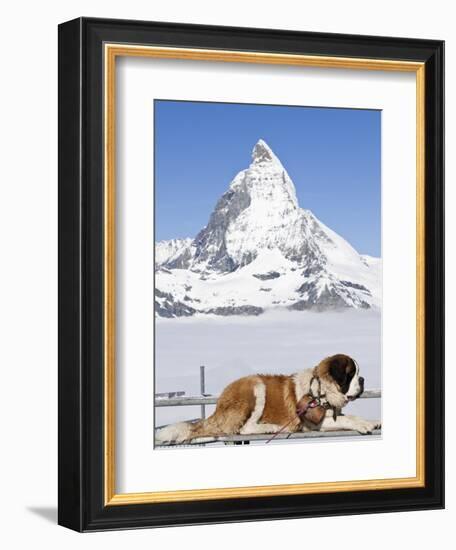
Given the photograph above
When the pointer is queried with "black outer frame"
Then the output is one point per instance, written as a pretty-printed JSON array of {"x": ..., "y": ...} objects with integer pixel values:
[{"x": 81, "y": 453}]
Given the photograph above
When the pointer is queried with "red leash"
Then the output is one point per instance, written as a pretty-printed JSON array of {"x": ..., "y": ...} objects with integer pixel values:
[
  {"x": 300, "y": 412},
  {"x": 280, "y": 431}
]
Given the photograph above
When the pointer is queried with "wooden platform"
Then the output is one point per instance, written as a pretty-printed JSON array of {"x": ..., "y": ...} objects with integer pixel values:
[{"x": 247, "y": 439}]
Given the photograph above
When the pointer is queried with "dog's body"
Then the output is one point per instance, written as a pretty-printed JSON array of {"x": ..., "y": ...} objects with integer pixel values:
[{"x": 268, "y": 403}]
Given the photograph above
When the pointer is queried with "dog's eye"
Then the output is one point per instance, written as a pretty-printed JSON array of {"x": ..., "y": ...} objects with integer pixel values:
[{"x": 338, "y": 372}]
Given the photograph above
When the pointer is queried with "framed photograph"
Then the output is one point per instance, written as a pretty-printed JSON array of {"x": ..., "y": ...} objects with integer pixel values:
[{"x": 250, "y": 274}]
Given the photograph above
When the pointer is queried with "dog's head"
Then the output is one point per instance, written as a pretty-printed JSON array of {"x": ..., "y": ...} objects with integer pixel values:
[{"x": 340, "y": 379}]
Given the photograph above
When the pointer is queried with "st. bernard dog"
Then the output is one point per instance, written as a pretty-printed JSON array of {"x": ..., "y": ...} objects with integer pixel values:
[{"x": 264, "y": 403}]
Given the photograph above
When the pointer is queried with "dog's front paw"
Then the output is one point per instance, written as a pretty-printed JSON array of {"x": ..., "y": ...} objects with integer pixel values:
[{"x": 366, "y": 426}]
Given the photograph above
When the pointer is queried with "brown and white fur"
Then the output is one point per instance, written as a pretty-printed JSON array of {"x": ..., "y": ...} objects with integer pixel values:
[{"x": 265, "y": 403}]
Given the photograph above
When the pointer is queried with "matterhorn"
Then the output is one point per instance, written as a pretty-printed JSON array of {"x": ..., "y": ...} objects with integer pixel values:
[{"x": 261, "y": 251}]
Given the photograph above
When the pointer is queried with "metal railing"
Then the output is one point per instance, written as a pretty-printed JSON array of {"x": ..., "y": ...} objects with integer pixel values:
[{"x": 189, "y": 400}]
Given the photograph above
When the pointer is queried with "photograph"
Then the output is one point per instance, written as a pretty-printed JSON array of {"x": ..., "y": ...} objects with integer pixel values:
[
  {"x": 224, "y": 261},
  {"x": 251, "y": 297},
  {"x": 268, "y": 273}
]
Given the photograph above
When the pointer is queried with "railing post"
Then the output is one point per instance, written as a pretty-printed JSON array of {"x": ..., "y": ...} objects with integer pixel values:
[{"x": 202, "y": 389}]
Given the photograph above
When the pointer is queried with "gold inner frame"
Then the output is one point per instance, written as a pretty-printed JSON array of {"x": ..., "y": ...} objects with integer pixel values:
[{"x": 111, "y": 52}]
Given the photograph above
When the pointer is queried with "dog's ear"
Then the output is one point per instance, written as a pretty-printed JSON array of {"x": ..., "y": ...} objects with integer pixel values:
[{"x": 338, "y": 369}]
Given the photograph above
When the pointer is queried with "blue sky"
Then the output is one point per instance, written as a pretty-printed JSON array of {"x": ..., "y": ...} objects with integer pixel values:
[{"x": 333, "y": 157}]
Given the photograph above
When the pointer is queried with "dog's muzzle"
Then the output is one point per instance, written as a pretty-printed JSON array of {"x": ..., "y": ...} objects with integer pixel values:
[{"x": 361, "y": 390}]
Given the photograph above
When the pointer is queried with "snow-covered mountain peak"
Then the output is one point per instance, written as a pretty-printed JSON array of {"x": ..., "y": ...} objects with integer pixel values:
[
  {"x": 266, "y": 179},
  {"x": 259, "y": 250},
  {"x": 263, "y": 153}
]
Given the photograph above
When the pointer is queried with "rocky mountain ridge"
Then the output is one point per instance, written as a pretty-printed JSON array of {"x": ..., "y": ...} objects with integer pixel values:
[{"x": 259, "y": 251}]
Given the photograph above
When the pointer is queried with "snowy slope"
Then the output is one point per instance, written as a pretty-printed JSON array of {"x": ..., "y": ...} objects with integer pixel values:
[
  {"x": 260, "y": 250},
  {"x": 174, "y": 250}
]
